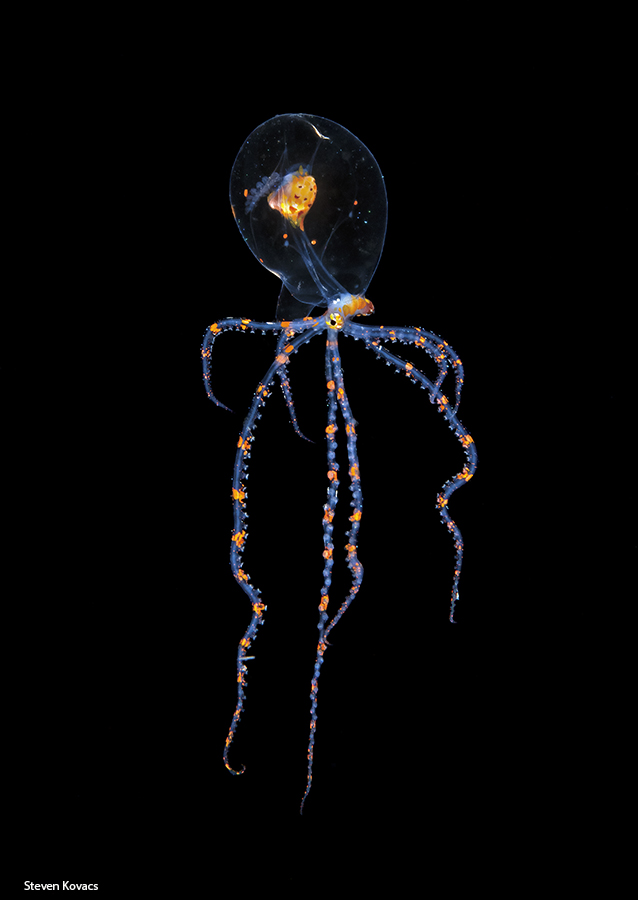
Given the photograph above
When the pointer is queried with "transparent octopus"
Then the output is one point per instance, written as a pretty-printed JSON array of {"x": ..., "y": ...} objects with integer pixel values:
[{"x": 309, "y": 200}]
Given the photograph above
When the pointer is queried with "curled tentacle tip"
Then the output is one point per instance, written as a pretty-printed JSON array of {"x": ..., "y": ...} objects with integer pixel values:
[{"x": 235, "y": 771}]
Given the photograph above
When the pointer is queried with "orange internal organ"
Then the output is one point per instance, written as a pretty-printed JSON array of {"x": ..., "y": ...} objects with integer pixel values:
[{"x": 294, "y": 197}]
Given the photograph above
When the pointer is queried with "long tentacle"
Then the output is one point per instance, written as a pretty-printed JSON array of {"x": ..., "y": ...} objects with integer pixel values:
[
  {"x": 240, "y": 534},
  {"x": 468, "y": 446},
  {"x": 336, "y": 393},
  {"x": 328, "y": 515},
  {"x": 434, "y": 346}
]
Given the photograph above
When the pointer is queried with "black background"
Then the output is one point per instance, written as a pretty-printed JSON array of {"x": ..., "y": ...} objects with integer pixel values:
[{"x": 129, "y": 614}]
